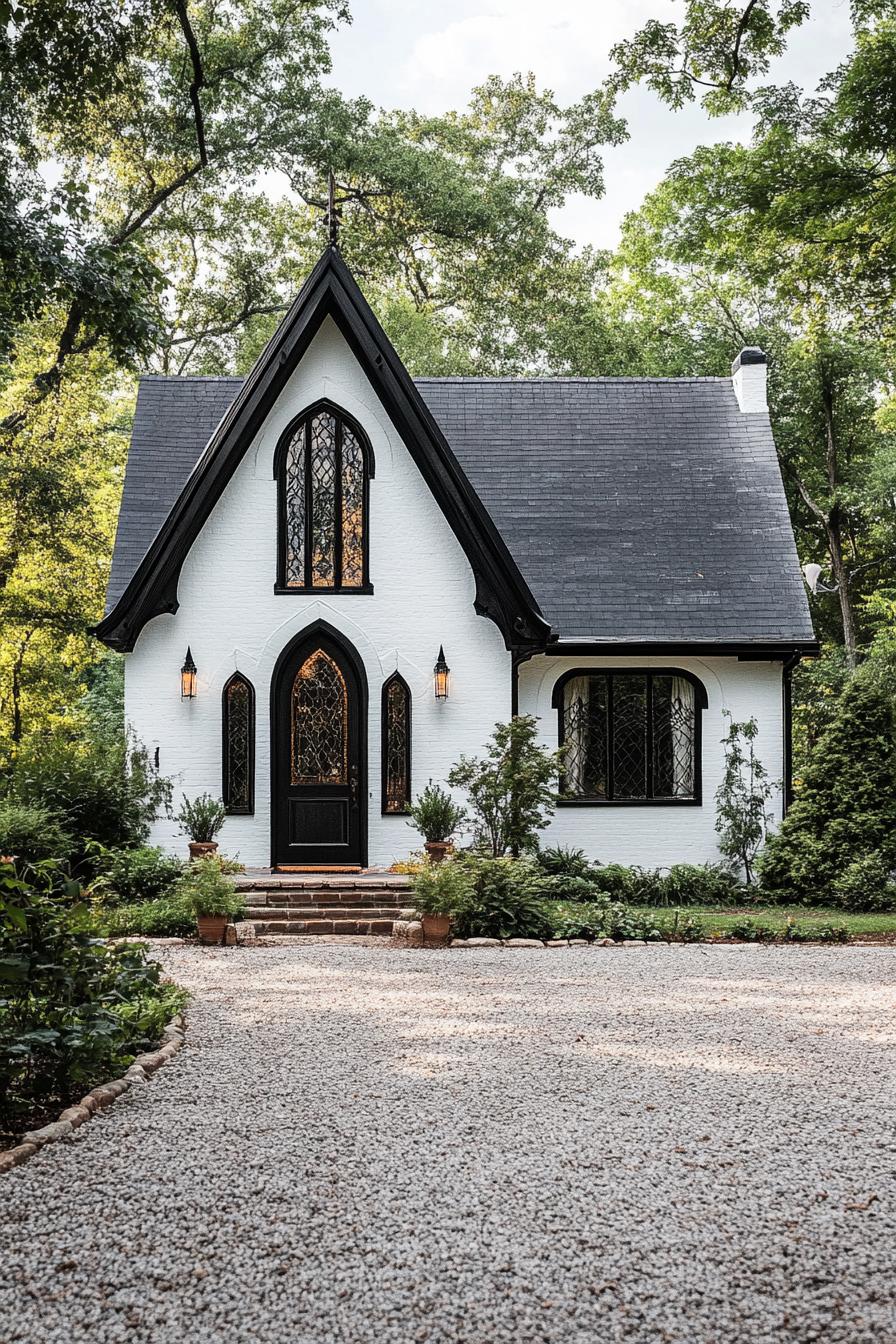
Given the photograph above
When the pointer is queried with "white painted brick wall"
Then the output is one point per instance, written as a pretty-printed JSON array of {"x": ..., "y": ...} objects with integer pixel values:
[
  {"x": 231, "y": 618},
  {"x": 656, "y": 836},
  {"x": 423, "y": 597}
]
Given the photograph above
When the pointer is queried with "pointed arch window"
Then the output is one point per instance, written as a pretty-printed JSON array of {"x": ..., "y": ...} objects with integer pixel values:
[
  {"x": 238, "y": 756},
  {"x": 396, "y": 718},
  {"x": 323, "y": 464}
]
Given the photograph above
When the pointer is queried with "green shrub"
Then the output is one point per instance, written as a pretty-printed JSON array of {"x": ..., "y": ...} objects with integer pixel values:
[
  {"x": 560, "y": 887},
  {"x": 205, "y": 890},
  {"x": 164, "y": 917},
  {"x": 32, "y": 832},
  {"x": 100, "y": 786},
  {"x": 129, "y": 875},
  {"x": 753, "y": 931},
  {"x": 831, "y": 933},
  {"x": 846, "y": 807},
  {"x": 511, "y": 789},
  {"x": 73, "y": 1011},
  {"x": 614, "y": 880},
  {"x": 435, "y": 814},
  {"x": 682, "y": 928},
  {"x": 699, "y": 884},
  {"x": 501, "y": 902},
  {"x": 441, "y": 888},
  {"x": 558, "y": 861},
  {"x": 865, "y": 884},
  {"x": 201, "y": 818}
]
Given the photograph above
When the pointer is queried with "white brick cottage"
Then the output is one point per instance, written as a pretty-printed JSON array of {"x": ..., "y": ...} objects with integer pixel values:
[{"x": 613, "y": 556}]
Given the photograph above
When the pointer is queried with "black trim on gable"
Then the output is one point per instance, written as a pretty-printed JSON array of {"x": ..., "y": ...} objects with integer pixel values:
[{"x": 330, "y": 291}]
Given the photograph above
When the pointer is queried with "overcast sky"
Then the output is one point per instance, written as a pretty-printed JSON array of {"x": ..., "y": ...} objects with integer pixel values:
[{"x": 429, "y": 54}]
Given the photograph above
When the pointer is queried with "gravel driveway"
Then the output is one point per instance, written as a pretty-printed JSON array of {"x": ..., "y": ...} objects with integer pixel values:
[{"x": 644, "y": 1144}]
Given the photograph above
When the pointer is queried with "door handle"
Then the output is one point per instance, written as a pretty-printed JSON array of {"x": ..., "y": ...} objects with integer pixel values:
[{"x": 353, "y": 785}]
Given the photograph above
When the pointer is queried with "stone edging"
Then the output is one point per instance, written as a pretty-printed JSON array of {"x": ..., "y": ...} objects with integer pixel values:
[{"x": 98, "y": 1098}]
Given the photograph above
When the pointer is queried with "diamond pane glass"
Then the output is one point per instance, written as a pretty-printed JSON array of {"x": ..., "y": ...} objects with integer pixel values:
[
  {"x": 238, "y": 781},
  {"x": 674, "y": 719},
  {"x": 294, "y": 489},
  {"x": 397, "y": 744},
  {"x": 630, "y": 737},
  {"x": 585, "y": 737},
  {"x": 323, "y": 500},
  {"x": 319, "y": 723},
  {"x": 352, "y": 511}
]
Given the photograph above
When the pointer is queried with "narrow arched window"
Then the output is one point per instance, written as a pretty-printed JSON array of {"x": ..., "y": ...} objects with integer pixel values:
[
  {"x": 323, "y": 465},
  {"x": 396, "y": 746},
  {"x": 238, "y": 757},
  {"x": 630, "y": 736}
]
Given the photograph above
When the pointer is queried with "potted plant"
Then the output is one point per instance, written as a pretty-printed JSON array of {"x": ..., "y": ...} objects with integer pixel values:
[
  {"x": 436, "y": 816},
  {"x": 201, "y": 820},
  {"x": 212, "y": 897},
  {"x": 440, "y": 891}
]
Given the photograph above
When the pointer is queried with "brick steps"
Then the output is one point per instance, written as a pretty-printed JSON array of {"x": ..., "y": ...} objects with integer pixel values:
[
  {"x": 347, "y": 922},
  {"x": 308, "y": 905}
]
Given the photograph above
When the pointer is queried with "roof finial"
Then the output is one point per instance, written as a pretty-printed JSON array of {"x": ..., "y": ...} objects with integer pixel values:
[{"x": 332, "y": 213}]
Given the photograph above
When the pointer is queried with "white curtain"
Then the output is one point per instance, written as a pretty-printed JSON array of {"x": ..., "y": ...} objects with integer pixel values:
[
  {"x": 576, "y": 699},
  {"x": 683, "y": 731}
]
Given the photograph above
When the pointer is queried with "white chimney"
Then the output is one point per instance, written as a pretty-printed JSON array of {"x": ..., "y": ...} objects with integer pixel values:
[{"x": 749, "y": 375}]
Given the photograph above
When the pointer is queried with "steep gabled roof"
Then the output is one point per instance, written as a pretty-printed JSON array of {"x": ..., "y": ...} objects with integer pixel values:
[
  {"x": 643, "y": 513},
  {"x": 330, "y": 291}
]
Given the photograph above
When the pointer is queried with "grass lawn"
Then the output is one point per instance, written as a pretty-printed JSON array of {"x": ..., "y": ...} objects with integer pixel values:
[{"x": 719, "y": 919}]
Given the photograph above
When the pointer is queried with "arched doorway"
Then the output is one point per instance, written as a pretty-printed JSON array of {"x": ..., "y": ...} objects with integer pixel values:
[{"x": 319, "y": 753}]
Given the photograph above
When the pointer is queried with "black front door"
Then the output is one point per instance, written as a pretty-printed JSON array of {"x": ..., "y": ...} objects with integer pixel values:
[{"x": 318, "y": 758}]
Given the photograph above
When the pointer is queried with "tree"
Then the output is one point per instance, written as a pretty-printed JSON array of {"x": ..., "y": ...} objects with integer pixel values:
[
  {"x": 846, "y": 807},
  {"x": 157, "y": 245},
  {"x": 742, "y": 815},
  {"x": 511, "y": 788},
  {"x": 716, "y": 51}
]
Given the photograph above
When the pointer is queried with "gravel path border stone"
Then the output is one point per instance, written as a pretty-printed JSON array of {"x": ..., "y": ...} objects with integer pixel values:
[{"x": 98, "y": 1098}]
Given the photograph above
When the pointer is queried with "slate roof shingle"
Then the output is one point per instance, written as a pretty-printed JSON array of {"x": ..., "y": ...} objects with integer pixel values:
[{"x": 636, "y": 509}]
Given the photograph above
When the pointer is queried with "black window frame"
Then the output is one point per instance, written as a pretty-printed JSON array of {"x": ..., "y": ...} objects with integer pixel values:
[
  {"x": 700, "y": 704},
  {"x": 231, "y": 809},
  {"x": 303, "y": 422},
  {"x": 395, "y": 678}
]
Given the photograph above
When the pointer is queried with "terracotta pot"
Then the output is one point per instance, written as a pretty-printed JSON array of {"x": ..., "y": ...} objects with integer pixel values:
[
  {"x": 437, "y": 849},
  {"x": 211, "y": 928},
  {"x": 436, "y": 929},
  {"x": 199, "y": 848}
]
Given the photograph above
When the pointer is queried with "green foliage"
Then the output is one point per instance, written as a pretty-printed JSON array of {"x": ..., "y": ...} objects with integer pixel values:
[
  {"x": 201, "y": 818},
  {"x": 511, "y": 789},
  {"x": 31, "y": 832},
  {"x": 163, "y": 917},
  {"x": 500, "y": 901},
  {"x": 100, "y": 785},
  {"x": 846, "y": 808},
  {"x": 128, "y": 875},
  {"x": 557, "y": 887},
  {"x": 749, "y": 930},
  {"x": 616, "y": 881},
  {"x": 561, "y": 861},
  {"x": 717, "y": 51},
  {"x": 442, "y": 888},
  {"x": 73, "y": 1011},
  {"x": 867, "y": 883},
  {"x": 435, "y": 814},
  {"x": 699, "y": 884},
  {"x": 742, "y": 798},
  {"x": 206, "y": 890}
]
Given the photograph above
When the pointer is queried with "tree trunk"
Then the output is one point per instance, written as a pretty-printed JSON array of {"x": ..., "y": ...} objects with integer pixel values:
[{"x": 841, "y": 578}]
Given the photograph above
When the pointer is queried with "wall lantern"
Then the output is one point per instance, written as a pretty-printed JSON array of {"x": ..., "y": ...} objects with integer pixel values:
[
  {"x": 440, "y": 676},
  {"x": 188, "y": 678}
]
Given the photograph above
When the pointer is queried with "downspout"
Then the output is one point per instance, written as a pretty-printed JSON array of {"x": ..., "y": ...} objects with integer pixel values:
[{"x": 787, "y": 693}]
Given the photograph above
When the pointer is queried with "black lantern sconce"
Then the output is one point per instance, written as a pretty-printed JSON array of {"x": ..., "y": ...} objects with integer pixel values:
[
  {"x": 188, "y": 678},
  {"x": 441, "y": 673}
]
